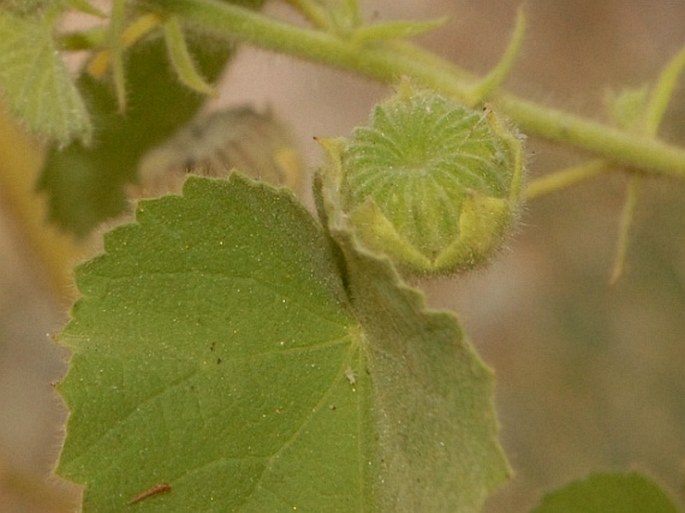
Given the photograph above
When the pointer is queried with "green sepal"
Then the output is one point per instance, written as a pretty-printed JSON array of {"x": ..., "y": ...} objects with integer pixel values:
[{"x": 483, "y": 224}]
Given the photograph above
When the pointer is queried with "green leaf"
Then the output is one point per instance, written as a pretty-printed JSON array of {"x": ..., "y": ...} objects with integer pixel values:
[
  {"x": 215, "y": 350},
  {"x": 431, "y": 387},
  {"x": 35, "y": 83},
  {"x": 608, "y": 493},
  {"x": 85, "y": 183}
]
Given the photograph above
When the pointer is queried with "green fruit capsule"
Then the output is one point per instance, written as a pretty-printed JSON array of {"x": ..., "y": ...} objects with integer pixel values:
[{"x": 432, "y": 184}]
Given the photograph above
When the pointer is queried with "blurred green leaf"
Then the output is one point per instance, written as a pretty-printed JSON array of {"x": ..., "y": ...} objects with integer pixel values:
[
  {"x": 85, "y": 182},
  {"x": 35, "y": 83},
  {"x": 26, "y": 7},
  {"x": 85, "y": 7},
  {"x": 215, "y": 350},
  {"x": 608, "y": 493}
]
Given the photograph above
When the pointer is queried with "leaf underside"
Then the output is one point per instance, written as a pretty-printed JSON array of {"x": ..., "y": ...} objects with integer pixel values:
[{"x": 217, "y": 349}]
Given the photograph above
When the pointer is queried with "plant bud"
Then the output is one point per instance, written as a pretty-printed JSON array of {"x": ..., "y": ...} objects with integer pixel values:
[{"x": 432, "y": 184}]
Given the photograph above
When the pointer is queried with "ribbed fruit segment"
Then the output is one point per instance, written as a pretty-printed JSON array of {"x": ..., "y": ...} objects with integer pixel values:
[{"x": 421, "y": 157}]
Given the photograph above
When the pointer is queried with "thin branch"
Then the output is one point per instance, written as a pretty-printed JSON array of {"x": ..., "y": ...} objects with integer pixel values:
[
  {"x": 566, "y": 177},
  {"x": 495, "y": 78},
  {"x": 663, "y": 92},
  {"x": 627, "y": 217}
]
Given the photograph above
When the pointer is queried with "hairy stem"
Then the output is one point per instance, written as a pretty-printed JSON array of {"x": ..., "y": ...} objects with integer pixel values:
[
  {"x": 629, "y": 149},
  {"x": 627, "y": 217},
  {"x": 388, "y": 63},
  {"x": 493, "y": 80},
  {"x": 663, "y": 91}
]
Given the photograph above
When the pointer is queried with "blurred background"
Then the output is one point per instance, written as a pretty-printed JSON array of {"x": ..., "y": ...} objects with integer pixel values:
[{"x": 589, "y": 376}]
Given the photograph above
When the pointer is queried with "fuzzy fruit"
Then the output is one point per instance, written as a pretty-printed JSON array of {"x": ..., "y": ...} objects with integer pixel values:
[{"x": 432, "y": 184}]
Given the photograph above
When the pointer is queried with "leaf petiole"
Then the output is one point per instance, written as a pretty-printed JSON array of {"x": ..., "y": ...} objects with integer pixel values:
[
  {"x": 663, "y": 92},
  {"x": 182, "y": 60},
  {"x": 566, "y": 177},
  {"x": 116, "y": 47},
  {"x": 138, "y": 29},
  {"x": 494, "y": 80},
  {"x": 626, "y": 223},
  {"x": 395, "y": 30}
]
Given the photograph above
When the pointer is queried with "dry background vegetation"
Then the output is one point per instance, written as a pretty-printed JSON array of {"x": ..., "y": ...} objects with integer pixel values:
[{"x": 590, "y": 377}]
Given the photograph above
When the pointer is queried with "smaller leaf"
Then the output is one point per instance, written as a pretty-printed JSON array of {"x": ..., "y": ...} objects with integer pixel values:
[
  {"x": 608, "y": 493},
  {"x": 35, "y": 82},
  {"x": 627, "y": 107}
]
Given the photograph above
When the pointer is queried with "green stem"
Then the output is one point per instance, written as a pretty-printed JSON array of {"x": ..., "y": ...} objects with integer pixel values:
[
  {"x": 631, "y": 150},
  {"x": 663, "y": 91},
  {"x": 566, "y": 177},
  {"x": 379, "y": 62},
  {"x": 627, "y": 217},
  {"x": 387, "y": 64},
  {"x": 180, "y": 58},
  {"x": 118, "y": 19}
]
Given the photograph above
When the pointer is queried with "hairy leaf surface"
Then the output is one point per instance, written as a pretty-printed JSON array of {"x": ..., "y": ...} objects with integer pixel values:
[
  {"x": 432, "y": 396},
  {"x": 219, "y": 349},
  {"x": 36, "y": 84},
  {"x": 608, "y": 493}
]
